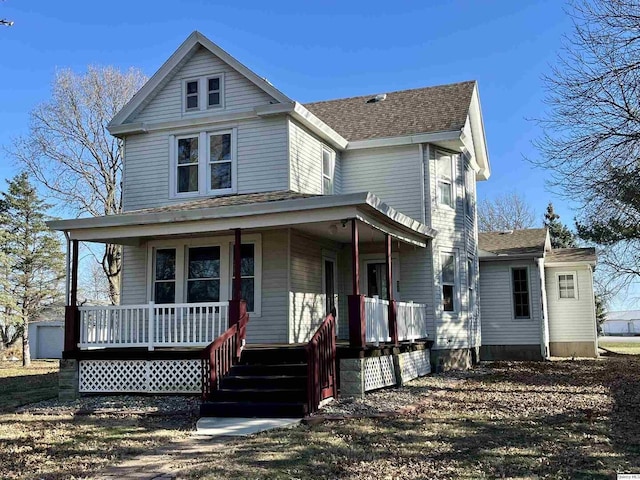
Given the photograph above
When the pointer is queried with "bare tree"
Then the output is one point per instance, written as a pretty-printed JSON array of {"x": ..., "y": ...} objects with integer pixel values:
[
  {"x": 71, "y": 153},
  {"x": 506, "y": 212},
  {"x": 591, "y": 131}
]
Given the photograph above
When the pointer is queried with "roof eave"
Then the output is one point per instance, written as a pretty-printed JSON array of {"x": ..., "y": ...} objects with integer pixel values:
[
  {"x": 479, "y": 139},
  {"x": 416, "y": 138}
]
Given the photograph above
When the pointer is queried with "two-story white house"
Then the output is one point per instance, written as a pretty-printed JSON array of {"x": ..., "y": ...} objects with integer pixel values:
[{"x": 359, "y": 210}]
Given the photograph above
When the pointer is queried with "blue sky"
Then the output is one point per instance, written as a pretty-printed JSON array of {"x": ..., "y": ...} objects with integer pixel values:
[{"x": 312, "y": 51}]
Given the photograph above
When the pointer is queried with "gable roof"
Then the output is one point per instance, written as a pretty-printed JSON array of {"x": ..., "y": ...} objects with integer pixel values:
[
  {"x": 571, "y": 255},
  {"x": 175, "y": 61},
  {"x": 530, "y": 241},
  {"x": 407, "y": 112}
]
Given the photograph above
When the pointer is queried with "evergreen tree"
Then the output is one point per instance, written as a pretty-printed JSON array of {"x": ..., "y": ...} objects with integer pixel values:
[
  {"x": 560, "y": 235},
  {"x": 33, "y": 258},
  {"x": 601, "y": 312}
]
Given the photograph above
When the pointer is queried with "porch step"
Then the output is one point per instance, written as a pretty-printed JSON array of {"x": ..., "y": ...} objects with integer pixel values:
[
  {"x": 264, "y": 381},
  {"x": 253, "y": 409},
  {"x": 268, "y": 382},
  {"x": 258, "y": 395}
]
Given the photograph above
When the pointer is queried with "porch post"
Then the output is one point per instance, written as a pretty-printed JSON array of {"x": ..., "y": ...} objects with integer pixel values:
[
  {"x": 357, "y": 321},
  {"x": 234, "y": 303},
  {"x": 393, "y": 324},
  {"x": 71, "y": 320}
]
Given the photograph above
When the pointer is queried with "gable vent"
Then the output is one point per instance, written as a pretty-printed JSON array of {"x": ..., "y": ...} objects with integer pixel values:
[{"x": 378, "y": 98}]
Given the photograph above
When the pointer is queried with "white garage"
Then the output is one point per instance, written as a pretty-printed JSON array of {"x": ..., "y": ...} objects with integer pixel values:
[{"x": 46, "y": 339}]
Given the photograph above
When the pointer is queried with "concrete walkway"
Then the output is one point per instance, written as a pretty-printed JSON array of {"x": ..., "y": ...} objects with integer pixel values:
[{"x": 210, "y": 435}]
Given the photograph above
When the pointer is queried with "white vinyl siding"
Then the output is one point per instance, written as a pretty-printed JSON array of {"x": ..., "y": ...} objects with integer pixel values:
[
  {"x": 571, "y": 319},
  {"x": 261, "y": 163},
  {"x": 306, "y": 298},
  {"x": 133, "y": 286},
  {"x": 393, "y": 174},
  {"x": 305, "y": 157},
  {"x": 496, "y": 301},
  {"x": 239, "y": 93}
]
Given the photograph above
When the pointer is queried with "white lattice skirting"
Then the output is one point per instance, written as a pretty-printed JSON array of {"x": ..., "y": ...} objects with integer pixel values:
[
  {"x": 379, "y": 372},
  {"x": 415, "y": 364},
  {"x": 140, "y": 376}
]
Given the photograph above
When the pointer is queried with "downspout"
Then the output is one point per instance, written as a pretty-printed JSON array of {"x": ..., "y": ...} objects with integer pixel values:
[
  {"x": 67, "y": 286},
  {"x": 544, "y": 327}
]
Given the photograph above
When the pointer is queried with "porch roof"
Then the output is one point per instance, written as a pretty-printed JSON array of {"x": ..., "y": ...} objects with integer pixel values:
[{"x": 250, "y": 211}]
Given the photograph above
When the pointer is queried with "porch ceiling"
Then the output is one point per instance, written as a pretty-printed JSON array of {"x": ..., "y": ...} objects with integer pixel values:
[{"x": 317, "y": 215}]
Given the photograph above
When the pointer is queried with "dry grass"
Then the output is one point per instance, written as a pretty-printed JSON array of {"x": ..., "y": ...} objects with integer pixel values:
[
  {"x": 21, "y": 385},
  {"x": 525, "y": 420},
  {"x": 528, "y": 420},
  {"x": 624, "y": 348}
]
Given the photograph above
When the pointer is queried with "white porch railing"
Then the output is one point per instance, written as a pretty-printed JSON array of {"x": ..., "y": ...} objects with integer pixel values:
[
  {"x": 411, "y": 319},
  {"x": 151, "y": 325},
  {"x": 376, "y": 314}
]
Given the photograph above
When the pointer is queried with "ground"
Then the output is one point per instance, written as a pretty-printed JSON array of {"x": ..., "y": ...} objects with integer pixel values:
[
  {"x": 569, "y": 419},
  {"x": 625, "y": 345}
]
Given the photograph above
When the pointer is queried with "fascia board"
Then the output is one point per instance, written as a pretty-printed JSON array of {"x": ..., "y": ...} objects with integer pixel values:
[
  {"x": 479, "y": 138},
  {"x": 448, "y": 135},
  {"x": 507, "y": 258}
]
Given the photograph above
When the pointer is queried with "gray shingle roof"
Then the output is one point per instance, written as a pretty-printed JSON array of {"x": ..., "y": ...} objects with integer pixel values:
[
  {"x": 560, "y": 255},
  {"x": 225, "y": 201},
  {"x": 516, "y": 242},
  {"x": 407, "y": 112}
]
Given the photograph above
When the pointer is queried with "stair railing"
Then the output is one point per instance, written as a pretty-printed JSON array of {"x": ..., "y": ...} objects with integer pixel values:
[
  {"x": 321, "y": 363},
  {"x": 223, "y": 353}
]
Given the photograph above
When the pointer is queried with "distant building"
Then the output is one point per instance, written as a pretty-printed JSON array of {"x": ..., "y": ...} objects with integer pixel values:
[{"x": 622, "y": 323}]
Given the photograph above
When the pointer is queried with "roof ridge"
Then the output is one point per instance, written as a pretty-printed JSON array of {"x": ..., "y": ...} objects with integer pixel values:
[{"x": 391, "y": 93}]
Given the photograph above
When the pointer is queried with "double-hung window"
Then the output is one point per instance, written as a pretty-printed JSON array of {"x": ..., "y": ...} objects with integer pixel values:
[
  {"x": 192, "y": 96},
  {"x": 187, "y": 164},
  {"x": 520, "y": 286},
  {"x": 448, "y": 281},
  {"x": 468, "y": 192},
  {"x": 445, "y": 172},
  {"x": 220, "y": 161},
  {"x": 328, "y": 167},
  {"x": 566, "y": 285},
  {"x": 203, "y": 274},
  {"x": 203, "y": 163},
  {"x": 164, "y": 285},
  {"x": 214, "y": 92}
]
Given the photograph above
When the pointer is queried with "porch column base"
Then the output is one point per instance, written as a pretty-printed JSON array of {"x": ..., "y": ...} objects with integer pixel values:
[
  {"x": 352, "y": 377},
  {"x": 68, "y": 380}
]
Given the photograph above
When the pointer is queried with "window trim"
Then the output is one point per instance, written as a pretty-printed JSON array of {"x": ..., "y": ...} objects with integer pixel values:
[
  {"x": 455, "y": 284},
  {"x": 512, "y": 292},
  {"x": 204, "y": 164},
  {"x": 225, "y": 243},
  {"x": 468, "y": 199},
  {"x": 203, "y": 93},
  {"x": 323, "y": 175},
  {"x": 576, "y": 296}
]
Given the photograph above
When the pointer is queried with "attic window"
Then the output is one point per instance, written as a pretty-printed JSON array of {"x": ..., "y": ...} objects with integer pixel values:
[{"x": 201, "y": 94}]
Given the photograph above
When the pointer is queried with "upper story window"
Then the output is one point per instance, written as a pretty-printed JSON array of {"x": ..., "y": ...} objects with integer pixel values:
[
  {"x": 203, "y": 93},
  {"x": 468, "y": 192},
  {"x": 328, "y": 168},
  {"x": 203, "y": 163},
  {"x": 445, "y": 170},
  {"x": 448, "y": 281}
]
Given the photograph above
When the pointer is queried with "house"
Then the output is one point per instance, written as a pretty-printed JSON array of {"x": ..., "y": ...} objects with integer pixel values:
[
  {"x": 536, "y": 301},
  {"x": 353, "y": 216},
  {"x": 625, "y": 323}
]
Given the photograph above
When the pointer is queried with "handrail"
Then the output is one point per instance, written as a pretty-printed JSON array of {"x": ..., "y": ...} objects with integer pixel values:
[
  {"x": 222, "y": 354},
  {"x": 321, "y": 363}
]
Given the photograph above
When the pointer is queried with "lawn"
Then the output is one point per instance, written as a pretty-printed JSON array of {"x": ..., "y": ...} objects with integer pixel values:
[
  {"x": 624, "y": 348},
  {"x": 21, "y": 385},
  {"x": 561, "y": 419}
]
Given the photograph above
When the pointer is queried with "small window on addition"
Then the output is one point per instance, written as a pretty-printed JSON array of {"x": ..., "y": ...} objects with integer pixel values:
[
  {"x": 566, "y": 285},
  {"x": 191, "y": 95}
]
